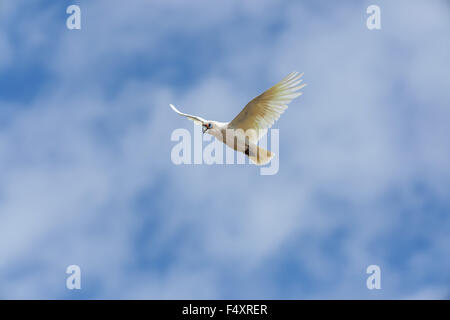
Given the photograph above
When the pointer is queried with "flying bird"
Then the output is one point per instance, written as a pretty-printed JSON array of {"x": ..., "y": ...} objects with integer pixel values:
[{"x": 244, "y": 131}]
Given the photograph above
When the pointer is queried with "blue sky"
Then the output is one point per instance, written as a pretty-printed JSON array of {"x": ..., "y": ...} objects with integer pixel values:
[{"x": 87, "y": 179}]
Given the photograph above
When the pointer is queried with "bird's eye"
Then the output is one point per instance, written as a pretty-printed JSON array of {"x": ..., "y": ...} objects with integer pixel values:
[{"x": 209, "y": 125}]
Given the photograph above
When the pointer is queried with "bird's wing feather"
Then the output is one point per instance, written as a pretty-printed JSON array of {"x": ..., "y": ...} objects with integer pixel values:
[
  {"x": 197, "y": 120},
  {"x": 261, "y": 113}
]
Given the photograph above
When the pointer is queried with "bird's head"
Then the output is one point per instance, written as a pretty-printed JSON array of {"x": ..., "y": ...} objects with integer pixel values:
[{"x": 207, "y": 126}]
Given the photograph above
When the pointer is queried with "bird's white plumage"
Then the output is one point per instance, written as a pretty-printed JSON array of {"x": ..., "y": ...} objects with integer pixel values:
[
  {"x": 256, "y": 117},
  {"x": 197, "y": 120},
  {"x": 261, "y": 113}
]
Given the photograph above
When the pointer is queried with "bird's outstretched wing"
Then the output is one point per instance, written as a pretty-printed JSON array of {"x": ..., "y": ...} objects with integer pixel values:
[
  {"x": 261, "y": 113},
  {"x": 197, "y": 120}
]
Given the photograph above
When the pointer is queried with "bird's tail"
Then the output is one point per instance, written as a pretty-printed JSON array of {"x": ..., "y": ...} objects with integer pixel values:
[{"x": 261, "y": 156}]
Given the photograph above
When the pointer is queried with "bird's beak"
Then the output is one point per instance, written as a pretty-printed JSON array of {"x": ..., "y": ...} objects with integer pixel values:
[{"x": 204, "y": 128}]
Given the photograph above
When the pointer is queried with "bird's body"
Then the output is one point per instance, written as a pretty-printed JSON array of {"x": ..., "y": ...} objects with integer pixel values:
[{"x": 244, "y": 131}]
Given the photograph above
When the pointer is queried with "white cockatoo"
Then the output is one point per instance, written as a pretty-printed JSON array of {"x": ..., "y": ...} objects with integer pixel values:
[{"x": 244, "y": 131}]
